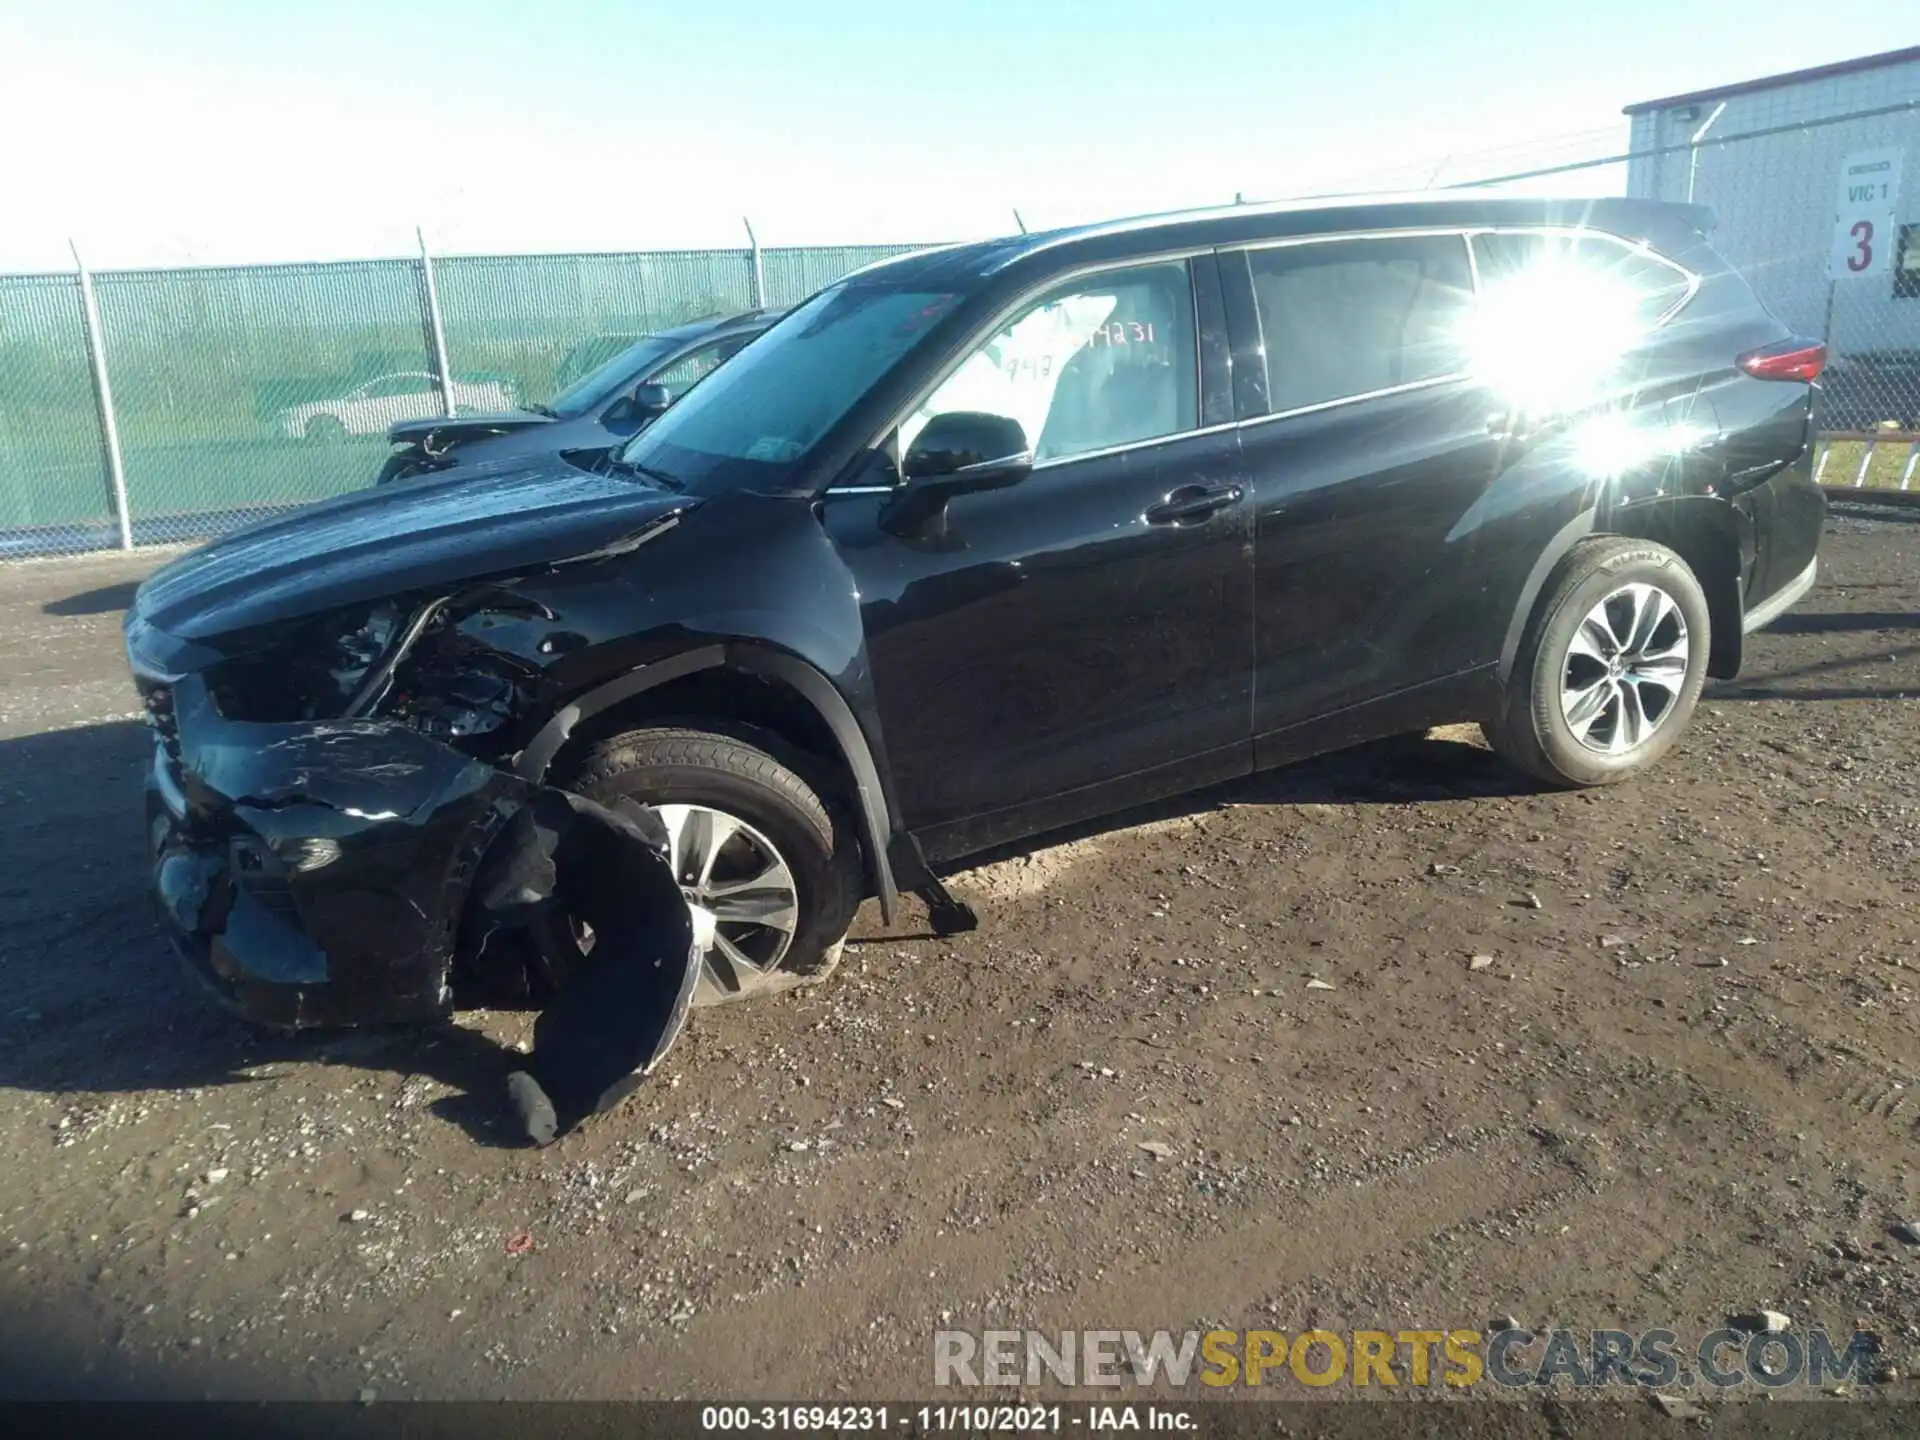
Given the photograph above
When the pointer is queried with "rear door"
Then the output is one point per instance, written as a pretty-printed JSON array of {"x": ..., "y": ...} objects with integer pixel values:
[{"x": 1368, "y": 455}]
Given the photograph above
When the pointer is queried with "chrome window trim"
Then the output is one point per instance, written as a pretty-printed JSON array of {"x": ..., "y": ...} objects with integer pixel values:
[
  {"x": 1316, "y": 408},
  {"x": 1335, "y": 237},
  {"x": 1127, "y": 445},
  {"x": 1040, "y": 465},
  {"x": 1025, "y": 297},
  {"x": 1188, "y": 253}
]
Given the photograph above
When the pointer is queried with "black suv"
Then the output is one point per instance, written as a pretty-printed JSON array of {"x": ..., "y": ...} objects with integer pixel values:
[
  {"x": 983, "y": 541},
  {"x": 597, "y": 411}
]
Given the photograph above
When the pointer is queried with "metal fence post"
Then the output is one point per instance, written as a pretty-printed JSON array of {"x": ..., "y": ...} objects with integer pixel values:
[
  {"x": 436, "y": 332},
  {"x": 759, "y": 274},
  {"x": 1693, "y": 148},
  {"x": 103, "y": 392}
]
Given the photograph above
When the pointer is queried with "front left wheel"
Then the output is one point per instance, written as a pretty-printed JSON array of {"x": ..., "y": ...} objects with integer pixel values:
[{"x": 752, "y": 843}]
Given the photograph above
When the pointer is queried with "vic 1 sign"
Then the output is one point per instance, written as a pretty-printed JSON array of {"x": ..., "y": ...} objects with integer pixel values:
[{"x": 1864, "y": 233}]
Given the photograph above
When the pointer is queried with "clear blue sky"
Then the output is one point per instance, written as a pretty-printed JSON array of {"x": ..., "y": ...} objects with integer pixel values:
[{"x": 158, "y": 131}]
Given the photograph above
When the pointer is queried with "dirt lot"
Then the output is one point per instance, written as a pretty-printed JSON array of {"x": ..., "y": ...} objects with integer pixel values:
[{"x": 1684, "y": 1085}]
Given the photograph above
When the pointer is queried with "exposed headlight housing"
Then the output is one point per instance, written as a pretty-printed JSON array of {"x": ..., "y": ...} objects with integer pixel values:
[
  {"x": 356, "y": 649},
  {"x": 309, "y": 669}
]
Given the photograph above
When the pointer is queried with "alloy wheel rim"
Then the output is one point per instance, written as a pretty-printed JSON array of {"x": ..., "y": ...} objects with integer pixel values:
[
  {"x": 740, "y": 880},
  {"x": 1625, "y": 669}
]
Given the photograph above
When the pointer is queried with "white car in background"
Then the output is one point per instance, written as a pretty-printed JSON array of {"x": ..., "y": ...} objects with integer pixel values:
[{"x": 377, "y": 405}]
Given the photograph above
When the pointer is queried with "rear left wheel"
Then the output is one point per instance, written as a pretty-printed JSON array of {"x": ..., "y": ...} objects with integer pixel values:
[{"x": 1610, "y": 667}]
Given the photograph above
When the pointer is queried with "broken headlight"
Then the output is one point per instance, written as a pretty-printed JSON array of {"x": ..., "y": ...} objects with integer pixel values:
[
  {"x": 453, "y": 686},
  {"x": 403, "y": 660},
  {"x": 455, "y": 704},
  {"x": 309, "y": 669},
  {"x": 357, "y": 648}
]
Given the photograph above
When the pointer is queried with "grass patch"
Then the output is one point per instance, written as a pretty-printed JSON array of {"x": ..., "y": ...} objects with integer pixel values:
[{"x": 1889, "y": 462}]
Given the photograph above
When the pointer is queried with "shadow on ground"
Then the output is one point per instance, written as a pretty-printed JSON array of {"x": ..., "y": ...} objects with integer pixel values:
[
  {"x": 1403, "y": 770},
  {"x": 1842, "y": 622},
  {"x": 107, "y": 600},
  {"x": 92, "y": 998},
  {"x": 96, "y": 1003}
]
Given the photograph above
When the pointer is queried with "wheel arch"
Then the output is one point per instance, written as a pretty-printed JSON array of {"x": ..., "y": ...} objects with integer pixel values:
[
  {"x": 827, "y": 716},
  {"x": 1704, "y": 531},
  {"x": 1582, "y": 526},
  {"x": 1708, "y": 534}
]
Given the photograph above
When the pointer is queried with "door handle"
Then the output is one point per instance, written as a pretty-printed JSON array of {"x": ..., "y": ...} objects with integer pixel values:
[{"x": 1192, "y": 502}]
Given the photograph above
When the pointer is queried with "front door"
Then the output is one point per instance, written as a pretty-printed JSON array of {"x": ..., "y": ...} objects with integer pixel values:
[{"x": 1091, "y": 624}]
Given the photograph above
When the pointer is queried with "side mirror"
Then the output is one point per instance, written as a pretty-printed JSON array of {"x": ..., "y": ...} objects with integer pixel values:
[
  {"x": 955, "y": 454},
  {"x": 651, "y": 400},
  {"x": 966, "y": 450}
]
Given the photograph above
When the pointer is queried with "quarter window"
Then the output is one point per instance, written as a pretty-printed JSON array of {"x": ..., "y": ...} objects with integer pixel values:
[
  {"x": 1102, "y": 361},
  {"x": 1651, "y": 288},
  {"x": 1350, "y": 317}
]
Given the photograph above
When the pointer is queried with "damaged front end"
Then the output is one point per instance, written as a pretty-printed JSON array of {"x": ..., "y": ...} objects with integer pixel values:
[
  {"x": 315, "y": 871},
  {"x": 323, "y": 797}
]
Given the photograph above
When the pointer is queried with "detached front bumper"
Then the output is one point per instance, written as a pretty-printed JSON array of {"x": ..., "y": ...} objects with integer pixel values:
[{"x": 315, "y": 874}]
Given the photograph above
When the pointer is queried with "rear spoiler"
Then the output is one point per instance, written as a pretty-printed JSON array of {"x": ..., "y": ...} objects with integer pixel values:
[{"x": 1700, "y": 217}]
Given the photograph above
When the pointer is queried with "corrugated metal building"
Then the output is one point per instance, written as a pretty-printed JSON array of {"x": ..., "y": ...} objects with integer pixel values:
[{"x": 1774, "y": 194}]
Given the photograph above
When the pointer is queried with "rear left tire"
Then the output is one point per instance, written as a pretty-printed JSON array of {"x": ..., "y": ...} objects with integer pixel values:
[{"x": 1610, "y": 666}]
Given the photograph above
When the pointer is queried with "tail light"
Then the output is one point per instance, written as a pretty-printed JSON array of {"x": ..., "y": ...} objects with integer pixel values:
[{"x": 1789, "y": 360}]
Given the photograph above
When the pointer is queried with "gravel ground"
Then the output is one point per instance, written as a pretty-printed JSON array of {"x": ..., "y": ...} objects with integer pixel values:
[{"x": 1677, "y": 1082}]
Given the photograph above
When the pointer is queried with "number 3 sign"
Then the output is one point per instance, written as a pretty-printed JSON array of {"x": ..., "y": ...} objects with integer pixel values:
[{"x": 1864, "y": 232}]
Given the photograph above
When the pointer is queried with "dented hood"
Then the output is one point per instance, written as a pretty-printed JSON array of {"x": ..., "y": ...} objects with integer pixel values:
[{"x": 376, "y": 543}]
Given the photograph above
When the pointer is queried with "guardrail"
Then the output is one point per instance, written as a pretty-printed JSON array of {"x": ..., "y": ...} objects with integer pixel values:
[{"x": 1881, "y": 446}]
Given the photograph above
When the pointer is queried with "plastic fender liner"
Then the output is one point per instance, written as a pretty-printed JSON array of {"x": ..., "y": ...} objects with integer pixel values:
[{"x": 625, "y": 997}]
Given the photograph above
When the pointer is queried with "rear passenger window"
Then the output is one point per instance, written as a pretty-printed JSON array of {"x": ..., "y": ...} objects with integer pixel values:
[
  {"x": 1350, "y": 317},
  {"x": 1651, "y": 287}
]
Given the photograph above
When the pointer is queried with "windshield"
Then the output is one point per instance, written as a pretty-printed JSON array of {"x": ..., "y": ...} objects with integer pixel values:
[
  {"x": 603, "y": 380},
  {"x": 756, "y": 416}
]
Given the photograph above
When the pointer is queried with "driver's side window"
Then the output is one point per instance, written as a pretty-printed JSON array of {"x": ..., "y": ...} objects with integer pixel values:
[{"x": 1101, "y": 361}]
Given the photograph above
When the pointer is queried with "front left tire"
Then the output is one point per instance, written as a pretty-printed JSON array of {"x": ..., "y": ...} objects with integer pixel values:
[{"x": 752, "y": 843}]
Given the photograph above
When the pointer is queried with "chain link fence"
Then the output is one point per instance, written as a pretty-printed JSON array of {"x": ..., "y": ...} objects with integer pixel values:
[
  {"x": 231, "y": 388},
  {"x": 226, "y": 384},
  {"x": 53, "y": 478},
  {"x": 1779, "y": 198}
]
